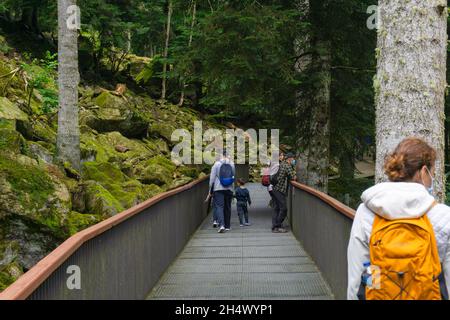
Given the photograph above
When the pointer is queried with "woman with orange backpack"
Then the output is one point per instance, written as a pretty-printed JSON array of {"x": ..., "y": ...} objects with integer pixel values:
[{"x": 399, "y": 245}]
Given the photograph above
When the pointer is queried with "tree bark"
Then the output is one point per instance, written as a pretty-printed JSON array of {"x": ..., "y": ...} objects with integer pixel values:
[
  {"x": 313, "y": 106},
  {"x": 411, "y": 78},
  {"x": 68, "y": 138},
  {"x": 183, "y": 84},
  {"x": 166, "y": 51}
]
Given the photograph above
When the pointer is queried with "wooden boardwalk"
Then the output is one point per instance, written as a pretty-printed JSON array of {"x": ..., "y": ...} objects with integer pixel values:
[{"x": 244, "y": 263}]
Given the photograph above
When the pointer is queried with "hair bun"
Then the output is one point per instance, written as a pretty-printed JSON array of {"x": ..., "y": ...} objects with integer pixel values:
[{"x": 395, "y": 167}]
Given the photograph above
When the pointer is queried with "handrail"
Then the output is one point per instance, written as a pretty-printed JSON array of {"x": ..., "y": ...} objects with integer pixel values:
[
  {"x": 339, "y": 206},
  {"x": 31, "y": 280}
]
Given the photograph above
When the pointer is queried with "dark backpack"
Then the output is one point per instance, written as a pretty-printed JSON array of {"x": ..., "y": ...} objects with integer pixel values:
[{"x": 226, "y": 175}]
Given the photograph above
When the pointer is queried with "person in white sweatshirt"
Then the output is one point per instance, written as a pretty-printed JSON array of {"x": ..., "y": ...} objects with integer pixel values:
[{"x": 408, "y": 195}]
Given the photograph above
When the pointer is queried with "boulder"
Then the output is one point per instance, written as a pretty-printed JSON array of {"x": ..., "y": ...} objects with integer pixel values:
[
  {"x": 39, "y": 152},
  {"x": 10, "y": 114},
  {"x": 104, "y": 147},
  {"x": 28, "y": 191},
  {"x": 100, "y": 201},
  {"x": 127, "y": 191},
  {"x": 11, "y": 141},
  {"x": 114, "y": 113},
  {"x": 37, "y": 129},
  {"x": 180, "y": 182},
  {"x": 162, "y": 130},
  {"x": 158, "y": 170},
  {"x": 77, "y": 221}
]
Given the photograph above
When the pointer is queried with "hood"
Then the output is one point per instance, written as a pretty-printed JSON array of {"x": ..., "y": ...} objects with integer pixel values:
[{"x": 398, "y": 200}]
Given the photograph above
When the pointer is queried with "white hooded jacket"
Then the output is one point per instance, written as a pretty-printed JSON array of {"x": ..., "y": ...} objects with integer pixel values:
[{"x": 395, "y": 200}]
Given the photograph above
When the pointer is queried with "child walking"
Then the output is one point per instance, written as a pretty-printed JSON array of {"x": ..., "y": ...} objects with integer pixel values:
[{"x": 242, "y": 196}]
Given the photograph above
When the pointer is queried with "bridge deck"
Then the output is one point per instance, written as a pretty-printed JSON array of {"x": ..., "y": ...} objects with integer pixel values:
[{"x": 244, "y": 263}]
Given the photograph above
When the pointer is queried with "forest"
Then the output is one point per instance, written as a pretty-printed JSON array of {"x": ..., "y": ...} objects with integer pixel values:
[{"x": 147, "y": 67}]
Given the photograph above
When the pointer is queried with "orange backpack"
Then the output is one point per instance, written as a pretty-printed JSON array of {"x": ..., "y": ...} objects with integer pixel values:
[{"x": 405, "y": 262}]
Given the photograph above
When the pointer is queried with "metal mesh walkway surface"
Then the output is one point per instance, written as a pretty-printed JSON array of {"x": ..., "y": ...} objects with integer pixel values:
[{"x": 244, "y": 263}]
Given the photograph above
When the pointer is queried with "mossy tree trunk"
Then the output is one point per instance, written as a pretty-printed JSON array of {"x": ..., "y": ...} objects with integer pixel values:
[
  {"x": 411, "y": 79},
  {"x": 313, "y": 104},
  {"x": 68, "y": 138}
]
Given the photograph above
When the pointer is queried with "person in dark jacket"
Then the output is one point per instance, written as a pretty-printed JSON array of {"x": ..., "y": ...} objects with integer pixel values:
[
  {"x": 286, "y": 173},
  {"x": 242, "y": 196}
]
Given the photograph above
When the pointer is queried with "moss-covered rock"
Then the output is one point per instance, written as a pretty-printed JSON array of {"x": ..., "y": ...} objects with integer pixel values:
[
  {"x": 10, "y": 113},
  {"x": 77, "y": 221},
  {"x": 189, "y": 171},
  {"x": 115, "y": 113},
  {"x": 10, "y": 141},
  {"x": 127, "y": 191},
  {"x": 180, "y": 182},
  {"x": 104, "y": 146},
  {"x": 9, "y": 274},
  {"x": 27, "y": 190},
  {"x": 163, "y": 130},
  {"x": 37, "y": 129},
  {"x": 158, "y": 170},
  {"x": 39, "y": 152},
  {"x": 100, "y": 201},
  {"x": 152, "y": 190}
]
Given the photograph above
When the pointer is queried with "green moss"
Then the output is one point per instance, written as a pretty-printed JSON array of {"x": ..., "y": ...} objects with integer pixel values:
[
  {"x": 180, "y": 182},
  {"x": 106, "y": 99},
  {"x": 103, "y": 172},
  {"x": 163, "y": 130},
  {"x": 10, "y": 111},
  {"x": 152, "y": 190},
  {"x": 162, "y": 161},
  {"x": 127, "y": 191},
  {"x": 9, "y": 274},
  {"x": 192, "y": 172},
  {"x": 103, "y": 153},
  {"x": 77, "y": 221},
  {"x": 158, "y": 170},
  {"x": 10, "y": 140},
  {"x": 99, "y": 201},
  {"x": 31, "y": 184}
]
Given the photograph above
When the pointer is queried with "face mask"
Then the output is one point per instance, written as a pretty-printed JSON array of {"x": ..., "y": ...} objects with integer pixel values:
[
  {"x": 431, "y": 188},
  {"x": 294, "y": 162}
]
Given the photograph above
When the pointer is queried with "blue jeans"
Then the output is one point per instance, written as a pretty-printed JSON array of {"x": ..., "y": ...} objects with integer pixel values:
[
  {"x": 222, "y": 200},
  {"x": 242, "y": 212}
]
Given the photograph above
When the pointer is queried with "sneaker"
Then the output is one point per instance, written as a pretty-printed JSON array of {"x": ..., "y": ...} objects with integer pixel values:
[
  {"x": 282, "y": 230},
  {"x": 215, "y": 224},
  {"x": 241, "y": 225},
  {"x": 221, "y": 230},
  {"x": 227, "y": 229},
  {"x": 247, "y": 224},
  {"x": 275, "y": 230}
]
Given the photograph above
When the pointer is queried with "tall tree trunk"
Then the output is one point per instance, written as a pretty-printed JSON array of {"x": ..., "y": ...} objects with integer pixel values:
[
  {"x": 68, "y": 138},
  {"x": 313, "y": 106},
  {"x": 411, "y": 78},
  {"x": 183, "y": 84},
  {"x": 166, "y": 51}
]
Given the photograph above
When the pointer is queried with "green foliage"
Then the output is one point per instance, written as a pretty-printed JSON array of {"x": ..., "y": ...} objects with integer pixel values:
[
  {"x": 41, "y": 73},
  {"x": 242, "y": 53},
  {"x": 353, "y": 188}
]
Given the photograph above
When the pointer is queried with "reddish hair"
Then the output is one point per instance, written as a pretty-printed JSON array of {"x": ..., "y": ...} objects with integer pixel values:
[{"x": 409, "y": 157}]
